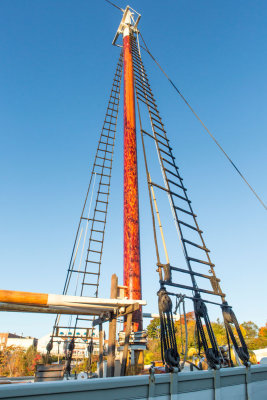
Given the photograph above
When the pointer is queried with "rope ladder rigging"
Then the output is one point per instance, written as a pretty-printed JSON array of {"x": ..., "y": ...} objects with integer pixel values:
[
  {"x": 83, "y": 274},
  {"x": 176, "y": 191}
]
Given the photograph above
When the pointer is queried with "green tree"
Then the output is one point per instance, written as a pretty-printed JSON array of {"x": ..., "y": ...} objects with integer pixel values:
[
  {"x": 219, "y": 331},
  {"x": 153, "y": 329},
  {"x": 251, "y": 329}
]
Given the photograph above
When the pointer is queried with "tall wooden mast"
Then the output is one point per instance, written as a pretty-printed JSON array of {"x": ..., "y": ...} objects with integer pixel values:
[{"x": 131, "y": 248}]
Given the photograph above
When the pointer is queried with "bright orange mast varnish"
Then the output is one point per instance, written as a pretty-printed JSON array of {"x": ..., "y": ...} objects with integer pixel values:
[{"x": 132, "y": 267}]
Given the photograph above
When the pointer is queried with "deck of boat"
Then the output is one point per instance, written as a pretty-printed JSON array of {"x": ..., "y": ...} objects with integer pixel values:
[{"x": 226, "y": 384}]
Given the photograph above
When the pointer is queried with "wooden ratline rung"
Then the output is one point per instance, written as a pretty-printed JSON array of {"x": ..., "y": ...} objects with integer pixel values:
[
  {"x": 84, "y": 272},
  {"x": 108, "y": 137},
  {"x": 161, "y": 136},
  {"x": 98, "y": 231},
  {"x": 102, "y": 166},
  {"x": 177, "y": 184},
  {"x": 101, "y": 211},
  {"x": 94, "y": 262},
  {"x": 172, "y": 173},
  {"x": 158, "y": 116},
  {"x": 106, "y": 143},
  {"x": 169, "y": 191},
  {"x": 157, "y": 119},
  {"x": 196, "y": 289},
  {"x": 105, "y": 151},
  {"x": 110, "y": 123},
  {"x": 109, "y": 130},
  {"x": 101, "y": 201},
  {"x": 142, "y": 83},
  {"x": 105, "y": 175},
  {"x": 180, "y": 197},
  {"x": 145, "y": 102},
  {"x": 99, "y": 192},
  {"x": 113, "y": 109},
  {"x": 138, "y": 64},
  {"x": 167, "y": 154},
  {"x": 106, "y": 159},
  {"x": 186, "y": 212},
  {"x": 156, "y": 139},
  {"x": 158, "y": 127},
  {"x": 200, "y": 261},
  {"x": 145, "y": 94},
  {"x": 94, "y": 251},
  {"x": 196, "y": 245},
  {"x": 90, "y": 284},
  {"x": 140, "y": 71},
  {"x": 195, "y": 298},
  {"x": 170, "y": 163},
  {"x": 188, "y": 225},
  {"x": 188, "y": 272},
  {"x": 156, "y": 133}
]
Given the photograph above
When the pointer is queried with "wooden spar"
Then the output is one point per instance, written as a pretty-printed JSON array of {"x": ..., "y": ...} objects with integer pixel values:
[
  {"x": 59, "y": 304},
  {"x": 126, "y": 343},
  {"x": 55, "y": 309},
  {"x": 131, "y": 252},
  {"x": 11, "y": 296},
  {"x": 101, "y": 348},
  {"x": 112, "y": 330}
]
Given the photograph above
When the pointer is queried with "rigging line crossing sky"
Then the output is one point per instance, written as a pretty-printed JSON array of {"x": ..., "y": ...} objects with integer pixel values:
[
  {"x": 202, "y": 123},
  {"x": 196, "y": 115}
]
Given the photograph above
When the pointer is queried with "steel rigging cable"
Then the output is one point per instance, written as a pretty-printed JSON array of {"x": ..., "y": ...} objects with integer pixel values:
[{"x": 202, "y": 123}]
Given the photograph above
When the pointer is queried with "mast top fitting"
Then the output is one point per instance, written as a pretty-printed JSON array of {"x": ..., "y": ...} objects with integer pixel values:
[{"x": 129, "y": 22}]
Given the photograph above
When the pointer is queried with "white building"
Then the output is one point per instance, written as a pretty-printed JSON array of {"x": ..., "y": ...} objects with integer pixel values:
[
  {"x": 8, "y": 339},
  {"x": 64, "y": 336},
  {"x": 24, "y": 343}
]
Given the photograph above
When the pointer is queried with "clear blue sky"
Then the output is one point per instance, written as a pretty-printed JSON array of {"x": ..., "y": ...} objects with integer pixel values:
[{"x": 57, "y": 65}]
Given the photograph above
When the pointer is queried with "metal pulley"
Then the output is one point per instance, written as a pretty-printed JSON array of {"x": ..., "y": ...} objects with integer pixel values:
[
  {"x": 71, "y": 345},
  {"x": 90, "y": 347},
  {"x": 230, "y": 318},
  {"x": 49, "y": 346},
  {"x": 164, "y": 301},
  {"x": 169, "y": 352}
]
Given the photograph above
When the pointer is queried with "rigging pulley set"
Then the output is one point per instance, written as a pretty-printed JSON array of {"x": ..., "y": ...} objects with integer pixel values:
[{"x": 85, "y": 266}]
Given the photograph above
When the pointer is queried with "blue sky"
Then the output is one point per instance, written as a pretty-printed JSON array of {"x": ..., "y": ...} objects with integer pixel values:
[{"x": 57, "y": 65}]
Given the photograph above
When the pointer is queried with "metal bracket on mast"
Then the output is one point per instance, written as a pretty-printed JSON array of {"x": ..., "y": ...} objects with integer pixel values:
[{"x": 131, "y": 19}]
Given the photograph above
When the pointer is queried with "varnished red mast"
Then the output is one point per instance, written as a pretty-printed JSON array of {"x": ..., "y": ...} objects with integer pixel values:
[{"x": 132, "y": 265}]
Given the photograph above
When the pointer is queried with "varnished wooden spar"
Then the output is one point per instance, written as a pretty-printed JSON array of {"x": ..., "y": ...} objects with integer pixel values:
[
  {"x": 11, "y": 296},
  {"x": 131, "y": 253},
  {"x": 52, "y": 303}
]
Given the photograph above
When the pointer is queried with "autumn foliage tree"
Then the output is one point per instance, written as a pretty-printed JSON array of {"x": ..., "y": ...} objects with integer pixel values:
[
  {"x": 256, "y": 338},
  {"x": 263, "y": 331},
  {"x": 15, "y": 361}
]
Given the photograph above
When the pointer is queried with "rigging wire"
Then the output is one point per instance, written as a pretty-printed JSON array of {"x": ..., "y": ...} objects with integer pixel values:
[
  {"x": 114, "y": 5},
  {"x": 202, "y": 123}
]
